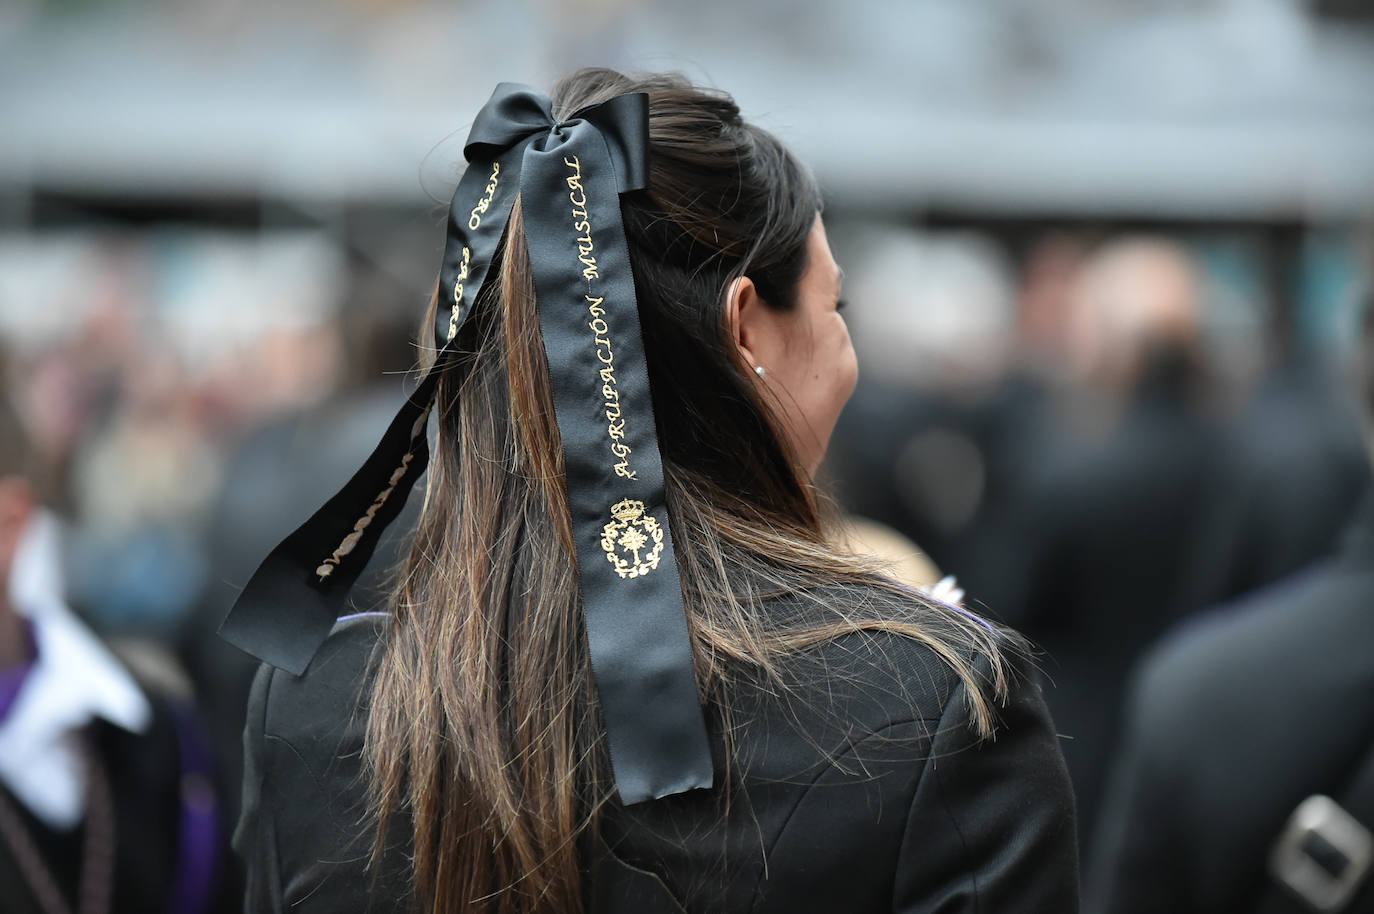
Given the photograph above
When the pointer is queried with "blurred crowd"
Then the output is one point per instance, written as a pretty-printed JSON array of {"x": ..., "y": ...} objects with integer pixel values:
[
  {"x": 175, "y": 401},
  {"x": 1100, "y": 434},
  {"x": 1091, "y": 452}
]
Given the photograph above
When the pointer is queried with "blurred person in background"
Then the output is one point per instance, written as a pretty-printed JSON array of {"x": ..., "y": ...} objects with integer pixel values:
[
  {"x": 106, "y": 796},
  {"x": 1045, "y": 304},
  {"x": 1244, "y": 781},
  {"x": 140, "y": 487},
  {"x": 1297, "y": 462},
  {"x": 1110, "y": 520},
  {"x": 941, "y": 430},
  {"x": 514, "y": 737}
]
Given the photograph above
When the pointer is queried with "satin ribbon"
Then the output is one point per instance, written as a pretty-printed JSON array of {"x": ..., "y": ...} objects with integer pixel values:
[{"x": 570, "y": 175}]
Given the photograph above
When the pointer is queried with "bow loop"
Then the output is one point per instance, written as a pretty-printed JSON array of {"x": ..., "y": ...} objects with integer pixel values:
[
  {"x": 516, "y": 113},
  {"x": 623, "y": 123}
]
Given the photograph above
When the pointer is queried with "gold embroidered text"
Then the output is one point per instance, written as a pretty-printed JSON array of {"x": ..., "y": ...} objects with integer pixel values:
[
  {"x": 458, "y": 294},
  {"x": 578, "y": 196},
  {"x": 484, "y": 204},
  {"x": 610, "y": 392}
]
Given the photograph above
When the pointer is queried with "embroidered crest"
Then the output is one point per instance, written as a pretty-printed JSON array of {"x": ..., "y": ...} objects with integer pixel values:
[{"x": 633, "y": 541}]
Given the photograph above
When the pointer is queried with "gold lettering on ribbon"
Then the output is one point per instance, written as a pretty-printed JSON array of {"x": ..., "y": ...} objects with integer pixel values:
[
  {"x": 605, "y": 351},
  {"x": 350, "y": 542},
  {"x": 610, "y": 392},
  {"x": 458, "y": 293},
  {"x": 478, "y": 211},
  {"x": 586, "y": 250}
]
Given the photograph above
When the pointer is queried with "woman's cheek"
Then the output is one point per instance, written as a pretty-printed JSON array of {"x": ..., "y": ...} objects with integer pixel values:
[{"x": 849, "y": 372}]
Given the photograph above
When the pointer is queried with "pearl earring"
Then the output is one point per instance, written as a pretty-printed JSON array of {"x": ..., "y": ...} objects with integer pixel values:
[{"x": 758, "y": 370}]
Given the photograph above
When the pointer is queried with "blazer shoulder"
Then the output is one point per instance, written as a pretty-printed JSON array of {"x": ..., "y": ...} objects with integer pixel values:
[
  {"x": 1244, "y": 641},
  {"x": 305, "y": 827},
  {"x": 329, "y": 691}
]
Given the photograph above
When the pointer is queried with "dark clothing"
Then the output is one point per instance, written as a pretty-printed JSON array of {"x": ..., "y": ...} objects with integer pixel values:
[
  {"x": 863, "y": 790},
  {"x": 152, "y": 859},
  {"x": 1233, "y": 721},
  {"x": 1110, "y": 537},
  {"x": 1297, "y": 463}
]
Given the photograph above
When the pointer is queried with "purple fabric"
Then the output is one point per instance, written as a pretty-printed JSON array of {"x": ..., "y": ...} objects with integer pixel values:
[
  {"x": 198, "y": 852},
  {"x": 361, "y": 615},
  {"x": 13, "y": 678}
]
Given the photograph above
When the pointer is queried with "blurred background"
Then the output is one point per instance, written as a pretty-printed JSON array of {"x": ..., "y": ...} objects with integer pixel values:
[{"x": 1105, "y": 268}]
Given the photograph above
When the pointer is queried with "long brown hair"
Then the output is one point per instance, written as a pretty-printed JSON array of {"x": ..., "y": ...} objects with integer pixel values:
[{"x": 483, "y": 730}]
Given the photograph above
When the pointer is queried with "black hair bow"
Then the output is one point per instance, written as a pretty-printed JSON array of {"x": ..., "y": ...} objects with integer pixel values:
[{"x": 569, "y": 175}]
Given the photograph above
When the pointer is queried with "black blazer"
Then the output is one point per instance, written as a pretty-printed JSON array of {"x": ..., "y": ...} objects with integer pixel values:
[
  {"x": 861, "y": 792},
  {"x": 1234, "y": 720}
]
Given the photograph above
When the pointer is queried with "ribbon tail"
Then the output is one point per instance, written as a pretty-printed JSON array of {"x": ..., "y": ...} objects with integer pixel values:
[
  {"x": 632, "y": 597},
  {"x": 292, "y": 601},
  {"x": 290, "y": 604},
  {"x": 477, "y": 218}
]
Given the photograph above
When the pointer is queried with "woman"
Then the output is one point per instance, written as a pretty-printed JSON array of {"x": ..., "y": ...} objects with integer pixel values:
[{"x": 763, "y": 723}]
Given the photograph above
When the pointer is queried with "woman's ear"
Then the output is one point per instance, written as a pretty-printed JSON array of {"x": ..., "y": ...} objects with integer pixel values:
[{"x": 751, "y": 321}]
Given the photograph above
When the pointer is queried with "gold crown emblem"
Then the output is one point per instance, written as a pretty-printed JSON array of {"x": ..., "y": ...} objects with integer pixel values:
[{"x": 633, "y": 541}]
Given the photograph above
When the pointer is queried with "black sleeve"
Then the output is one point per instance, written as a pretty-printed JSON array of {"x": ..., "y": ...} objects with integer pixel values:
[
  {"x": 1009, "y": 804},
  {"x": 305, "y": 833},
  {"x": 1134, "y": 864},
  {"x": 253, "y": 839}
]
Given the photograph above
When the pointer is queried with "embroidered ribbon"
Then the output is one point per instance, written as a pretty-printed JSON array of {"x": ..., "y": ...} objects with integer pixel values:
[{"x": 570, "y": 175}]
